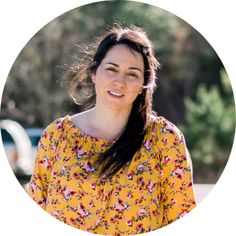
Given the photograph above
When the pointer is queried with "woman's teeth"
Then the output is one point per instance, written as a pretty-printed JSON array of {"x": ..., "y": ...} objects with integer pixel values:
[{"x": 115, "y": 94}]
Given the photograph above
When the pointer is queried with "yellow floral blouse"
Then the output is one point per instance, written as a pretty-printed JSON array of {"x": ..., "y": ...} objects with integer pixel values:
[{"x": 151, "y": 191}]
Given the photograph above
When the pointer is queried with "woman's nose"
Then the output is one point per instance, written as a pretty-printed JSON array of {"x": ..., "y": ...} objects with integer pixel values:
[{"x": 119, "y": 80}]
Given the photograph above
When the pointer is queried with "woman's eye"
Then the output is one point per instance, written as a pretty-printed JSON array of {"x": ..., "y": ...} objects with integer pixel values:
[
  {"x": 111, "y": 69},
  {"x": 133, "y": 75}
]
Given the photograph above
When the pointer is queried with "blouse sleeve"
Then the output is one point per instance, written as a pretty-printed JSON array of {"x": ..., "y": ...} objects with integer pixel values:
[
  {"x": 45, "y": 158},
  {"x": 177, "y": 184}
]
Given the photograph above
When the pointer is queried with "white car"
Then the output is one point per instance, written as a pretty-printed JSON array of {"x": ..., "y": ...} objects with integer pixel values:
[{"x": 20, "y": 146}]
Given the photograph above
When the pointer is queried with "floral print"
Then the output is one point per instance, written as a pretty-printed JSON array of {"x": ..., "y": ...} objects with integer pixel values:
[{"x": 151, "y": 191}]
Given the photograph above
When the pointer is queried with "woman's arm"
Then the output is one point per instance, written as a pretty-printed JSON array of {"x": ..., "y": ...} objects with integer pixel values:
[
  {"x": 45, "y": 158},
  {"x": 177, "y": 184}
]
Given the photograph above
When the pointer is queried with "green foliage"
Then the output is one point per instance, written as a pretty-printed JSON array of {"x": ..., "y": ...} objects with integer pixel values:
[
  {"x": 34, "y": 96},
  {"x": 209, "y": 129}
]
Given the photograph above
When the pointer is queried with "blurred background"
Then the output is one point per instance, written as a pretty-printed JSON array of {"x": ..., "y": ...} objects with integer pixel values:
[{"x": 193, "y": 91}]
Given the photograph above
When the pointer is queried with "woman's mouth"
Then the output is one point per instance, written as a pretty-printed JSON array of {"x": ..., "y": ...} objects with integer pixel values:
[{"x": 114, "y": 94}]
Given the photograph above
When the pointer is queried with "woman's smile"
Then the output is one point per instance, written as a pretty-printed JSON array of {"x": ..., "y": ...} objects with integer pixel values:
[
  {"x": 115, "y": 94},
  {"x": 119, "y": 79}
]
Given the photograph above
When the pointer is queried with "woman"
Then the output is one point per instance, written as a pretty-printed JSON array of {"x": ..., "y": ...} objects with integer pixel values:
[{"x": 118, "y": 168}]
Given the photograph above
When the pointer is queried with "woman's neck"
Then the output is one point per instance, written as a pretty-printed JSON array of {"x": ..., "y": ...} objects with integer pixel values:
[{"x": 107, "y": 124}]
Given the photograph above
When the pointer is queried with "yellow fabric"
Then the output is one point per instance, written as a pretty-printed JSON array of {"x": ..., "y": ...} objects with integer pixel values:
[{"x": 152, "y": 191}]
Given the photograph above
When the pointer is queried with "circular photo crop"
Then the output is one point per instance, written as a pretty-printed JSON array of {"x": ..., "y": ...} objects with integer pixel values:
[{"x": 118, "y": 124}]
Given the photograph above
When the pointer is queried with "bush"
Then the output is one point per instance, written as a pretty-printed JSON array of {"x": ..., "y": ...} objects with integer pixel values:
[{"x": 209, "y": 130}]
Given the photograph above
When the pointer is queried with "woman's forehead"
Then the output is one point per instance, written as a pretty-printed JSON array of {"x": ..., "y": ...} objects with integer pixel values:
[{"x": 123, "y": 54}]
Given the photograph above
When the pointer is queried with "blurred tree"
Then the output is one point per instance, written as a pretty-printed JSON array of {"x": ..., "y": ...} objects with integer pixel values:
[
  {"x": 209, "y": 130},
  {"x": 34, "y": 96}
]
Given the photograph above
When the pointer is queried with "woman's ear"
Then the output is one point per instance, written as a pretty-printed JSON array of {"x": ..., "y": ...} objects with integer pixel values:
[{"x": 93, "y": 77}]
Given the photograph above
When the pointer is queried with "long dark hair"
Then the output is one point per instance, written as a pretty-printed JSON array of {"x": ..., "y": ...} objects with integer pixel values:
[{"x": 123, "y": 150}]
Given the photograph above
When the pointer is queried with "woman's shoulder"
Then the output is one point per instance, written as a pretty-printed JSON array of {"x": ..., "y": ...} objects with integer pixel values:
[
  {"x": 58, "y": 125},
  {"x": 161, "y": 126}
]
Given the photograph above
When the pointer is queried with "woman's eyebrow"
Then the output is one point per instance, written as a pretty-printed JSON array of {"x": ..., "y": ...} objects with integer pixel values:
[{"x": 131, "y": 68}]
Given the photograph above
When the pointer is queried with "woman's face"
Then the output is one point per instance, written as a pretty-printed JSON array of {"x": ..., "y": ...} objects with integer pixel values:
[{"x": 119, "y": 78}]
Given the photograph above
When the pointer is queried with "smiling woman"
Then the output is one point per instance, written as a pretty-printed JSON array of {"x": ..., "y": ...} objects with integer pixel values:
[
  {"x": 118, "y": 168},
  {"x": 119, "y": 76}
]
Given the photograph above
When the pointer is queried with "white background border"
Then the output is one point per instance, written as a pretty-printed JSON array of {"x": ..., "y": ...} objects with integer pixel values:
[{"x": 20, "y": 20}]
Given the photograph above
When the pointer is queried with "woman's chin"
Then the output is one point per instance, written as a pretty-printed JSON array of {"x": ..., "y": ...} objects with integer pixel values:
[{"x": 114, "y": 107}]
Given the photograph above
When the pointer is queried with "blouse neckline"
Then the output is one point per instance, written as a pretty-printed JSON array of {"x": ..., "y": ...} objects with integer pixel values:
[{"x": 77, "y": 130}]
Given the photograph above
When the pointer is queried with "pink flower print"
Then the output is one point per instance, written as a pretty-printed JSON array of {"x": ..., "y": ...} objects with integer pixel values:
[
  {"x": 80, "y": 153},
  {"x": 129, "y": 195},
  {"x": 45, "y": 163},
  {"x": 55, "y": 214},
  {"x": 167, "y": 159},
  {"x": 180, "y": 139},
  {"x": 76, "y": 175},
  {"x": 63, "y": 169},
  {"x": 58, "y": 124},
  {"x": 155, "y": 212},
  {"x": 97, "y": 222},
  {"x": 184, "y": 158},
  {"x": 130, "y": 176},
  {"x": 147, "y": 145},
  {"x": 179, "y": 172},
  {"x": 81, "y": 206},
  {"x": 82, "y": 213},
  {"x": 67, "y": 193},
  {"x": 120, "y": 201},
  {"x": 139, "y": 180},
  {"x": 165, "y": 199},
  {"x": 57, "y": 157},
  {"x": 164, "y": 141},
  {"x": 175, "y": 143},
  {"x": 103, "y": 177},
  {"x": 173, "y": 202},
  {"x": 93, "y": 185},
  {"x": 41, "y": 202},
  {"x": 105, "y": 223},
  {"x": 156, "y": 201},
  {"x": 183, "y": 213},
  {"x": 54, "y": 174},
  {"x": 120, "y": 206},
  {"x": 140, "y": 168},
  {"x": 129, "y": 222},
  {"x": 108, "y": 196},
  {"x": 190, "y": 184},
  {"x": 113, "y": 220},
  {"x": 91, "y": 204},
  {"x": 181, "y": 188},
  {"x": 168, "y": 128},
  {"x": 140, "y": 228},
  {"x": 55, "y": 201},
  {"x": 150, "y": 186},
  {"x": 88, "y": 167},
  {"x": 141, "y": 212},
  {"x": 45, "y": 135},
  {"x": 101, "y": 192},
  {"x": 32, "y": 187}
]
